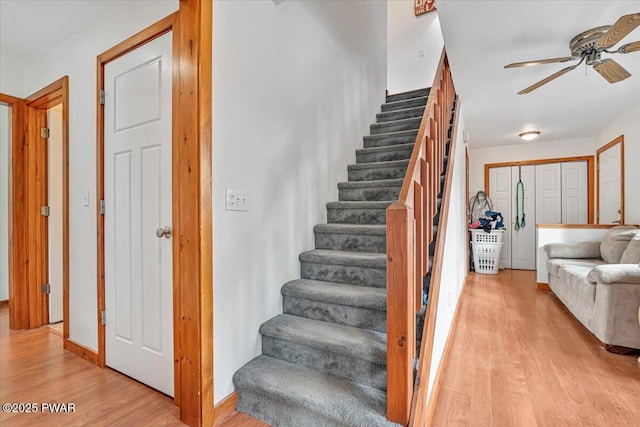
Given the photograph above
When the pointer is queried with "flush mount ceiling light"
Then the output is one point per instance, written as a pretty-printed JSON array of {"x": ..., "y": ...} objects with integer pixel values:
[{"x": 528, "y": 136}]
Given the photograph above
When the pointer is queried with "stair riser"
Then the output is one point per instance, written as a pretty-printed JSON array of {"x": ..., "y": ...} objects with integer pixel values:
[
  {"x": 356, "y": 216},
  {"x": 358, "y": 317},
  {"x": 354, "y": 369},
  {"x": 373, "y": 174},
  {"x": 351, "y": 242},
  {"x": 409, "y": 137},
  {"x": 277, "y": 412},
  {"x": 368, "y": 194},
  {"x": 401, "y": 154},
  {"x": 395, "y": 126},
  {"x": 399, "y": 114},
  {"x": 409, "y": 103},
  {"x": 351, "y": 275},
  {"x": 407, "y": 95}
]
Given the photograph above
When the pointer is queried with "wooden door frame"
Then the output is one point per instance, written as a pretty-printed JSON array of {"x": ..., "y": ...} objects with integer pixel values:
[
  {"x": 28, "y": 307},
  {"x": 590, "y": 175},
  {"x": 192, "y": 203},
  {"x": 617, "y": 140}
]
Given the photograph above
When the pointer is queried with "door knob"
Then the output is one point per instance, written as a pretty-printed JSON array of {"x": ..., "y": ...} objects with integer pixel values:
[{"x": 166, "y": 232}]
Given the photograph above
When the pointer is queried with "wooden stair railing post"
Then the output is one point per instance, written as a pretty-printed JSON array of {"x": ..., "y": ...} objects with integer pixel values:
[
  {"x": 401, "y": 324},
  {"x": 418, "y": 210},
  {"x": 427, "y": 226}
]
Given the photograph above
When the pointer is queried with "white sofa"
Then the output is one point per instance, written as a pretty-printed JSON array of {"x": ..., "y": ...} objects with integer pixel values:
[{"x": 599, "y": 282}]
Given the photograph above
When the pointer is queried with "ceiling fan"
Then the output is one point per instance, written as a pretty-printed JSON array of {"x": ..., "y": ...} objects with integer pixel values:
[{"x": 588, "y": 46}]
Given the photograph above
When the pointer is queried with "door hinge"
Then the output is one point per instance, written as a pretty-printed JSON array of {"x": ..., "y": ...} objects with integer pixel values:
[
  {"x": 45, "y": 211},
  {"x": 44, "y": 133},
  {"x": 103, "y": 317},
  {"x": 102, "y": 96},
  {"x": 46, "y": 288},
  {"x": 102, "y": 207}
]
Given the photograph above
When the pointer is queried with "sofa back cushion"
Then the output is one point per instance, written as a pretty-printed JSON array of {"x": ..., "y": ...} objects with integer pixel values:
[
  {"x": 615, "y": 242},
  {"x": 631, "y": 255}
]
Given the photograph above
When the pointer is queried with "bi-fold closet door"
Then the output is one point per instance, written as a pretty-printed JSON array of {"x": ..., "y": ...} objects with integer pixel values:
[{"x": 554, "y": 193}]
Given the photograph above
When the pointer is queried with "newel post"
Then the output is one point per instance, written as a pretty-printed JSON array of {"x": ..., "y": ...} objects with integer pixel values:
[{"x": 401, "y": 323}]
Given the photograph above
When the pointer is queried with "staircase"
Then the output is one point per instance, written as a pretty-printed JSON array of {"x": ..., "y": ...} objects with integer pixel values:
[{"x": 323, "y": 361}]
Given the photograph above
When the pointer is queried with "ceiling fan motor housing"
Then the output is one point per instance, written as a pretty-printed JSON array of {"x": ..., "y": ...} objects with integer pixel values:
[{"x": 584, "y": 43}]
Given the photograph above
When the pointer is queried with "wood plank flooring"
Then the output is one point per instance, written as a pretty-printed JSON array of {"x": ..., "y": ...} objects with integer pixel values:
[
  {"x": 34, "y": 368},
  {"x": 519, "y": 358}
]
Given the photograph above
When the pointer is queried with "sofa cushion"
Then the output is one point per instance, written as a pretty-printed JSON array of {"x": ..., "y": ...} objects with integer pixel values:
[
  {"x": 575, "y": 277},
  {"x": 631, "y": 255},
  {"x": 615, "y": 242},
  {"x": 554, "y": 264},
  {"x": 573, "y": 250}
]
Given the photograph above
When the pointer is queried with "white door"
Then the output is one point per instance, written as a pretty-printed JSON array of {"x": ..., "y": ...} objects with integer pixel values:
[
  {"x": 548, "y": 194},
  {"x": 610, "y": 185},
  {"x": 500, "y": 194},
  {"x": 54, "y": 200},
  {"x": 575, "y": 193},
  {"x": 137, "y": 181},
  {"x": 523, "y": 240}
]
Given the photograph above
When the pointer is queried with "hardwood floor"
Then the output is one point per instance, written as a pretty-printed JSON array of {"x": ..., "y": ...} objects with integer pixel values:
[
  {"x": 34, "y": 368},
  {"x": 519, "y": 358}
]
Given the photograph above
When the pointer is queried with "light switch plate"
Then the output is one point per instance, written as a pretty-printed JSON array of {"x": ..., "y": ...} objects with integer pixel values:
[
  {"x": 85, "y": 197},
  {"x": 236, "y": 199}
]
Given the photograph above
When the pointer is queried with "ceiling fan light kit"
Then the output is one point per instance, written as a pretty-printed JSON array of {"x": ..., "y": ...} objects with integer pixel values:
[
  {"x": 588, "y": 47},
  {"x": 530, "y": 135}
]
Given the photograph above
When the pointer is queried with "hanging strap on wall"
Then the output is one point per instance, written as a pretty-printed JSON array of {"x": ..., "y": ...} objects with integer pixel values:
[{"x": 520, "y": 223}]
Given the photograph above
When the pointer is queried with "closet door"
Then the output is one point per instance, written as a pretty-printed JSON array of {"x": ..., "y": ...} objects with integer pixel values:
[
  {"x": 523, "y": 241},
  {"x": 548, "y": 194},
  {"x": 500, "y": 194},
  {"x": 574, "y": 193}
]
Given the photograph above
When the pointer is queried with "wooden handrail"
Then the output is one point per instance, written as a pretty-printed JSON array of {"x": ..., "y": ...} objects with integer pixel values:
[{"x": 409, "y": 233}]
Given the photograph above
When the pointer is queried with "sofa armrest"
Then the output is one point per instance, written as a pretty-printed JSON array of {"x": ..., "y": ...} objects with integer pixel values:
[
  {"x": 615, "y": 273},
  {"x": 573, "y": 250}
]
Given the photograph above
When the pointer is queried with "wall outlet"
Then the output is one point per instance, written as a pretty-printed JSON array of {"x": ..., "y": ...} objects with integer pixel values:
[{"x": 236, "y": 200}]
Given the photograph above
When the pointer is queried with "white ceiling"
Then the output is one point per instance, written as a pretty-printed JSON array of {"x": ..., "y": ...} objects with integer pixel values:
[
  {"x": 31, "y": 28},
  {"x": 483, "y": 36}
]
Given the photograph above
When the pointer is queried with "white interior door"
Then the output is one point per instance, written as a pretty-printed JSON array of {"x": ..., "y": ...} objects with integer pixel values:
[
  {"x": 575, "y": 203},
  {"x": 500, "y": 194},
  {"x": 523, "y": 241},
  {"x": 610, "y": 185},
  {"x": 548, "y": 194},
  {"x": 137, "y": 180},
  {"x": 54, "y": 200}
]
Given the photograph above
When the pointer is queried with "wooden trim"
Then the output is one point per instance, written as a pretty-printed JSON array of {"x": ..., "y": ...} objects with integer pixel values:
[
  {"x": 426, "y": 346},
  {"x": 590, "y": 175},
  {"x": 543, "y": 286},
  {"x": 192, "y": 203},
  {"x": 444, "y": 361},
  {"x": 580, "y": 226},
  {"x": 620, "y": 140},
  {"x": 4, "y": 302},
  {"x": 8, "y": 99},
  {"x": 225, "y": 408},
  {"x": 81, "y": 351}
]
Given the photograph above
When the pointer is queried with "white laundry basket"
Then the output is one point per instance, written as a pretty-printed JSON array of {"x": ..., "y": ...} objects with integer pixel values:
[
  {"x": 478, "y": 235},
  {"x": 486, "y": 257}
]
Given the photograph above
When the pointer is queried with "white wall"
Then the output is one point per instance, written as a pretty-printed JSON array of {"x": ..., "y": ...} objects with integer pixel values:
[
  {"x": 406, "y": 35},
  {"x": 295, "y": 87},
  {"x": 454, "y": 266},
  {"x": 628, "y": 125},
  {"x": 11, "y": 80},
  {"x": 77, "y": 58},
  {"x": 5, "y": 137},
  {"x": 524, "y": 151}
]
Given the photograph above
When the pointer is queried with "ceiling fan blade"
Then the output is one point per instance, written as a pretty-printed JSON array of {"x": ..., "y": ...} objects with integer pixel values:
[
  {"x": 619, "y": 30},
  {"x": 611, "y": 70},
  {"x": 548, "y": 79},
  {"x": 629, "y": 47},
  {"x": 539, "y": 62}
]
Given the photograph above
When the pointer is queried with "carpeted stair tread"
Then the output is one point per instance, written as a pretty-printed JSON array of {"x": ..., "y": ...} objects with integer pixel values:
[
  {"x": 378, "y": 165},
  {"x": 404, "y": 113},
  {"x": 357, "y": 212},
  {"x": 384, "y": 204},
  {"x": 390, "y": 138},
  {"x": 323, "y": 400},
  {"x": 384, "y": 153},
  {"x": 397, "y": 182},
  {"x": 395, "y": 125},
  {"x": 408, "y": 94},
  {"x": 338, "y": 339},
  {"x": 364, "y": 229},
  {"x": 351, "y": 237},
  {"x": 360, "y": 259},
  {"x": 337, "y": 293},
  {"x": 404, "y": 104}
]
